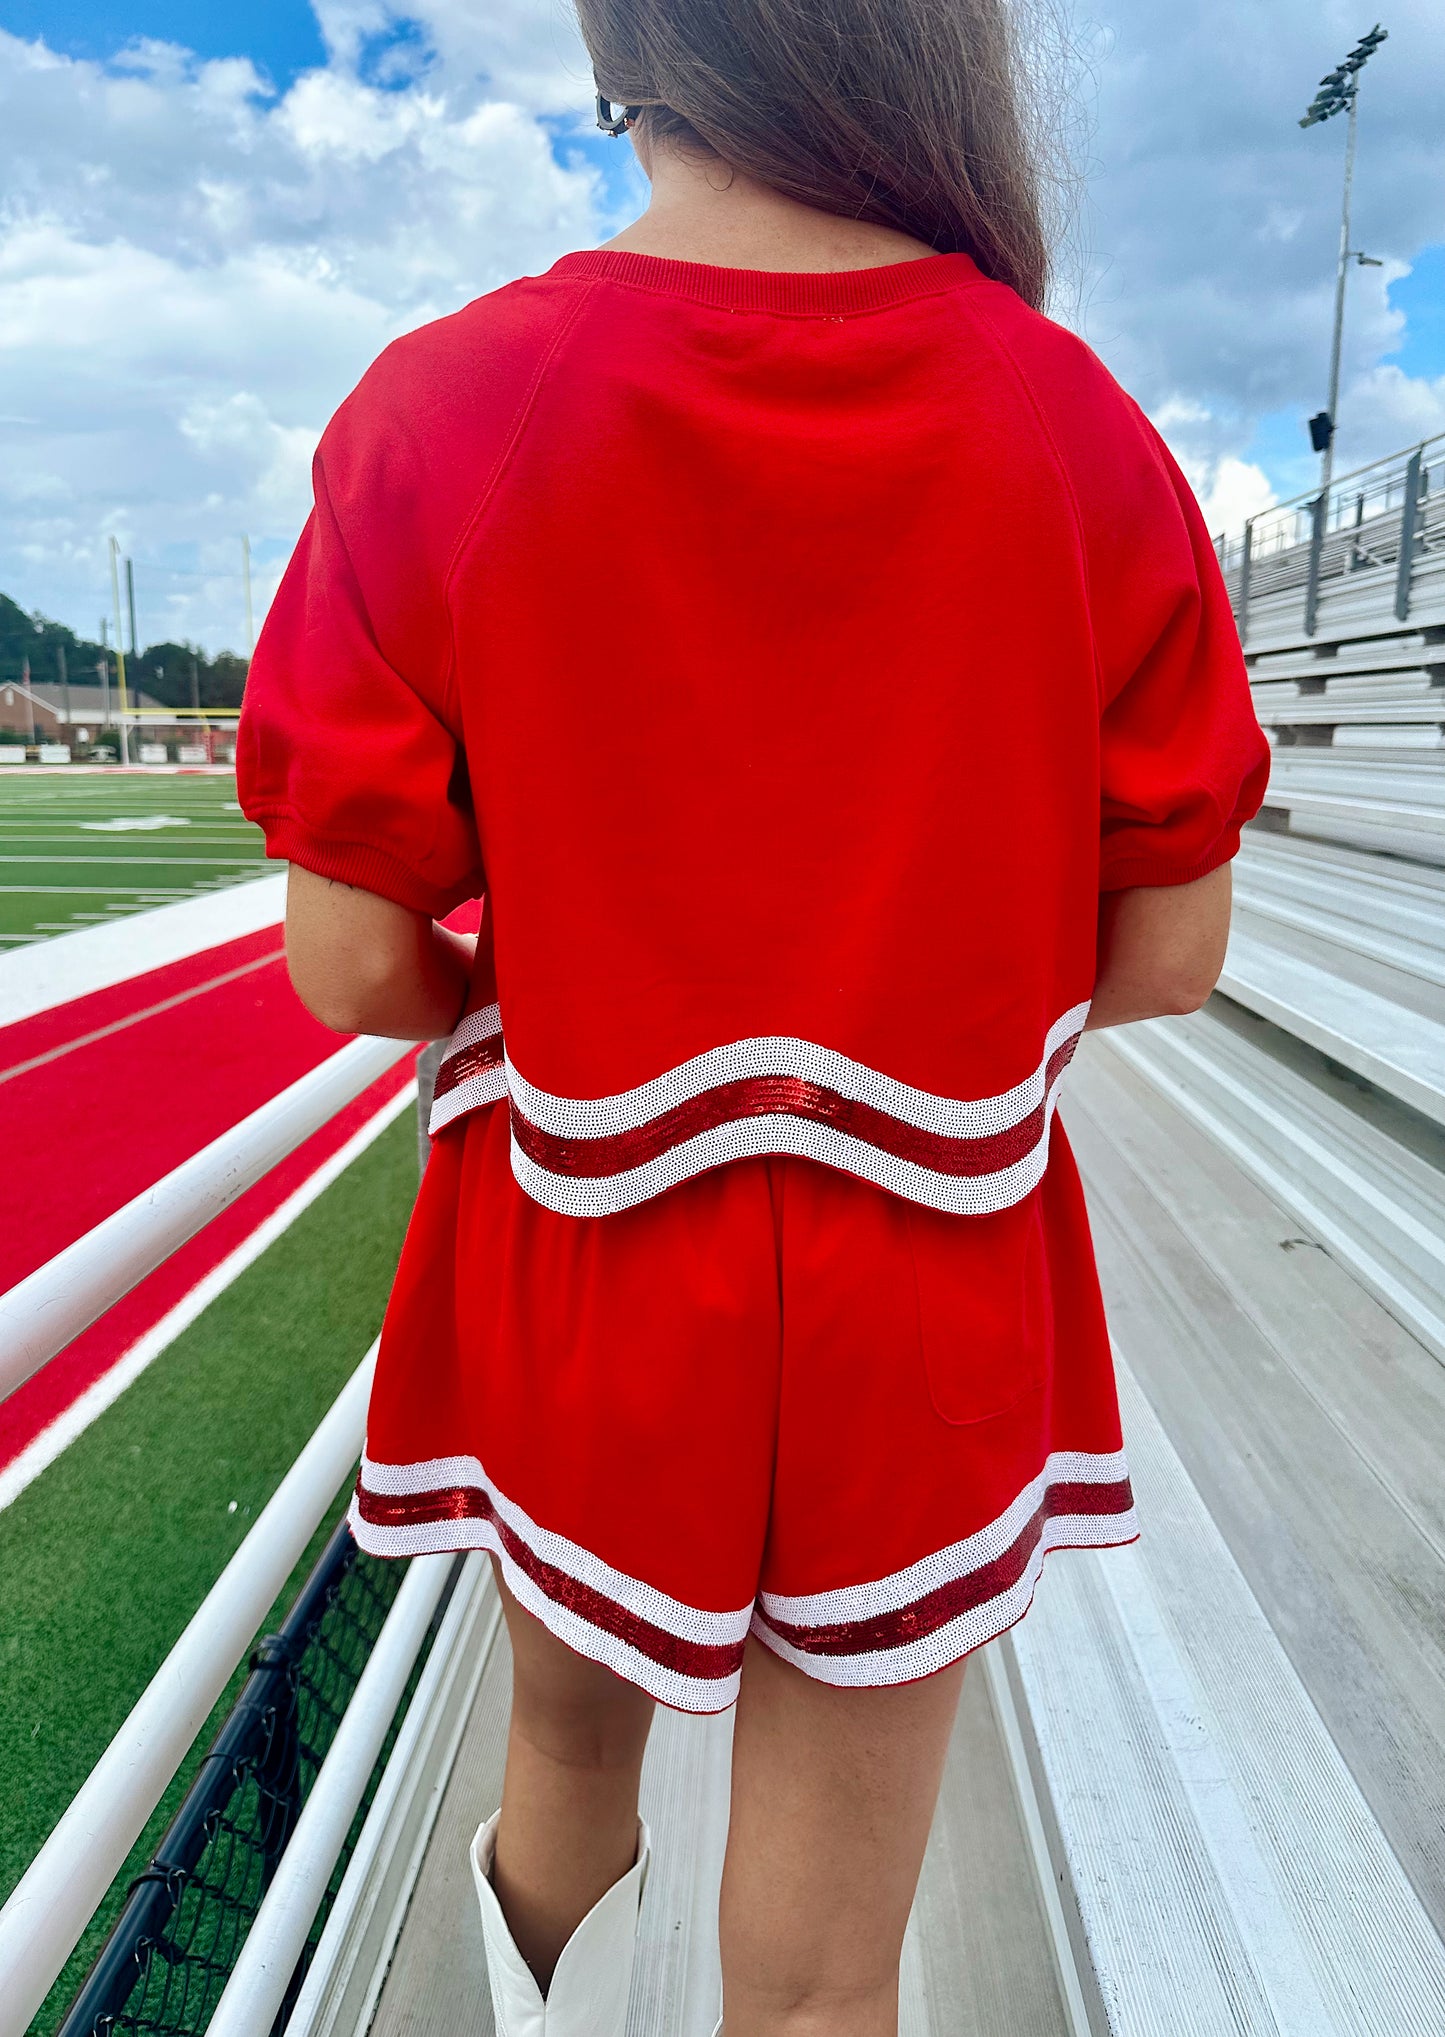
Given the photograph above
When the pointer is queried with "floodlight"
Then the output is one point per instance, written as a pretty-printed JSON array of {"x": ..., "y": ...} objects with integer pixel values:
[{"x": 1339, "y": 92}]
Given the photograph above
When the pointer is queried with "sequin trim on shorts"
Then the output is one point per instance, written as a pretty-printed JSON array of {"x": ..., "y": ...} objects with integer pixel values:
[
  {"x": 922, "y": 1618},
  {"x": 686, "y": 1657},
  {"x": 891, "y": 1630}
]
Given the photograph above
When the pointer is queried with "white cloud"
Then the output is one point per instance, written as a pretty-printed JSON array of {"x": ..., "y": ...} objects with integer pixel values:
[
  {"x": 195, "y": 270},
  {"x": 528, "y": 50},
  {"x": 1230, "y": 490},
  {"x": 1384, "y": 407}
]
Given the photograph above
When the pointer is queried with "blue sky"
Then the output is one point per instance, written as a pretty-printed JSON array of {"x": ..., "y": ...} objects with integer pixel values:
[
  {"x": 197, "y": 263},
  {"x": 280, "y": 36},
  {"x": 1421, "y": 297}
]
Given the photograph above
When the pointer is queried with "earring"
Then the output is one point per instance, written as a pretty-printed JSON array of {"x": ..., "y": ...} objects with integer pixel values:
[{"x": 614, "y": 123}]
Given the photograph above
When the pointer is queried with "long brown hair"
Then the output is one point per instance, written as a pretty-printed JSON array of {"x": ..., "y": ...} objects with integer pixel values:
[{"x": 916, "y": 114}]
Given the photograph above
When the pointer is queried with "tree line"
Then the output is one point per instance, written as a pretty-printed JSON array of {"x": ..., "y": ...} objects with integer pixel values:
[{"x": 176, "y": 675}]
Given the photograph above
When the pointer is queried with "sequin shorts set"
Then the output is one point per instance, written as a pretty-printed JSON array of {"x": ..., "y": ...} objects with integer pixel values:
[{"x": 790, "y": 662}]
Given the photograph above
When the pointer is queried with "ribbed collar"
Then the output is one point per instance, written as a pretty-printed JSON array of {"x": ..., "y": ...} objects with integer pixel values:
[{"x": 800, "y": 291}]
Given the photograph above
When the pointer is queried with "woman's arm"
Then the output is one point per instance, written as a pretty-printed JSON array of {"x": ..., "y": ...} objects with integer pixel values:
[
  {"x": 1161, "y": 948},
  {"x": 361, "y": 964}
]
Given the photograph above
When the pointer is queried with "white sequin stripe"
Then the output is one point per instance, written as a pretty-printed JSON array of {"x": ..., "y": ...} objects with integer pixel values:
[
  {"x": 487, "y": 1086},
  {"x": 473, "y": 1028},
  {"x": 981, "y": 1623},
  {"x": 409, "y": 1481},
  {"x": 595, "y": 1195},
  {"x": 902, "y": 1588},
  {"x": 598, "y": 1644},
  {"x": 601, "y": 1117}
]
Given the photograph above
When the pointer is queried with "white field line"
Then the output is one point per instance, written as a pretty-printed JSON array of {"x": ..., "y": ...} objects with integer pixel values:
[
  {"x": 108, "y": 860},
  {"x": 77, "y": 1418},
  {"x": 123, "y": 771},
  {"x": 47, "y": 973}
]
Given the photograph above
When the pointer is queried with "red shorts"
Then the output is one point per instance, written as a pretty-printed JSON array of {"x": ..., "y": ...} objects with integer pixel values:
[{"x": 773, "y": 1399}]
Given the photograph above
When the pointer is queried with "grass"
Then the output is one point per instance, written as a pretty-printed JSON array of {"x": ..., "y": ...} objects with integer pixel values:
[
  {"x": 58, "y": 871},
  {"x": 105, "y": 1557}
]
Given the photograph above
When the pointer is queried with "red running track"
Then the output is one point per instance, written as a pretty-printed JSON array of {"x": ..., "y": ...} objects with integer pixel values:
[{"x": 102, "y": 1096}]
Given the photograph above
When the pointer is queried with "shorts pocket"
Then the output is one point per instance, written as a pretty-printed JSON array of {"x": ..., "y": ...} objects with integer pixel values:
[{"x": 984, "y": 1311}]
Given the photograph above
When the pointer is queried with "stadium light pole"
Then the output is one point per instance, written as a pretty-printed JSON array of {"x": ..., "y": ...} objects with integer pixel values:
[
  {"x": 119, "y": 650},
  {"x": 103, "y": 670},
  {"x": 1339, "y": 92}
]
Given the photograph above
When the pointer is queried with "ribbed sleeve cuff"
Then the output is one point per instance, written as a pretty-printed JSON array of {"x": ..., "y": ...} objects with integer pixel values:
[
  {"x": 360, "y": 865},
  {"x": 1135, "y": 872}
]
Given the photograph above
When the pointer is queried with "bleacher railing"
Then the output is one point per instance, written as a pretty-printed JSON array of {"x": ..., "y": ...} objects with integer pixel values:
[
  {"x": 1385, "y": 515},
  {"x": 43, "y": 1313},
  {"x": 52, "y": 1905}
]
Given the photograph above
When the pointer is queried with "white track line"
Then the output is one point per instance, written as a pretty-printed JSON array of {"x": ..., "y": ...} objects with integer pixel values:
[
  {"x": 106, "y": 1390},
  {"x": 137, "y": 1018}
]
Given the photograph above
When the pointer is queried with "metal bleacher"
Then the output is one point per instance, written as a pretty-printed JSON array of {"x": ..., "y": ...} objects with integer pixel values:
[
  {"x": 1201, "y": 1788},
  {"x": 1341, "y": 607}
]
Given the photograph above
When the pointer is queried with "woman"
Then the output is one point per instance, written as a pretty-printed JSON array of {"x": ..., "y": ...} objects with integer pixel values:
[{"x": 821, "y": 667}]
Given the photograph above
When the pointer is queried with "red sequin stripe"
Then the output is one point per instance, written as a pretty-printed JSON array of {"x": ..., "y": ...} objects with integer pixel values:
[
  {"x": 947, "y": 1601},
  {"x": 794, "y": 1096},
  {"x": 469, "y": 1502},
  {"x": 468, "y": 1062}
]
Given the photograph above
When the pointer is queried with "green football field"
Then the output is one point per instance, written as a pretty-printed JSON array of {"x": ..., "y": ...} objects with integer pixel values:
[
  {"x": 107, "y": 1554},
  {"x": 79, "y": 849}
]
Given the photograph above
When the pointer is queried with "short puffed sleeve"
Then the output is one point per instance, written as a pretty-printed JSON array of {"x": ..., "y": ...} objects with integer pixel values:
[
  {"x": 1183, "y": 761},
  {"x": 350, "y": 755}
]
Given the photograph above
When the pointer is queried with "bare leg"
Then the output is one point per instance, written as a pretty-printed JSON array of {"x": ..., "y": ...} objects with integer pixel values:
[
  {"x": 568, "y": 1829},
  {"x": 833, "y": 1794}
]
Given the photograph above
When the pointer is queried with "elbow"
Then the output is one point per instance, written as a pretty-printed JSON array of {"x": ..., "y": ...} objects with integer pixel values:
[
  {"x": 343, "y": 1001},
  {"x": 1187, "y": 988},
  {"x": 334, "y": 1009}
]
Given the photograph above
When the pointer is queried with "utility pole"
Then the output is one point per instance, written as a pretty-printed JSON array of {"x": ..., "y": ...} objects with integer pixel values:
[
  {"x": 119, "y": 651},
  {"x": 64, "y": 669},
  {"x": 103, "y": 673},
  {"x": 1339, "y": 92},
  {"x": 246, "y": 582},
  {"x": 195, "y": 689}
]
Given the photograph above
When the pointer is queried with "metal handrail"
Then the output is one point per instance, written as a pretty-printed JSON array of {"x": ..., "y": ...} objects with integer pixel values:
[
  {"x": 1364, "y": 492},
  {"x": 41, "y": 1314},
  {"x": 345, "y": 1972},
  {"x": 60, "y": 1891}
]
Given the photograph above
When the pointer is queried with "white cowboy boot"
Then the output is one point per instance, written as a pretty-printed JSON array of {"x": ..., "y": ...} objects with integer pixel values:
[{"x": 588, "y": 1995}]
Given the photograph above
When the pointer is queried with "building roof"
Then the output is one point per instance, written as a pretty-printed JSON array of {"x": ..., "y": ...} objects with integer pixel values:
[{"x": 86, "y": 702}]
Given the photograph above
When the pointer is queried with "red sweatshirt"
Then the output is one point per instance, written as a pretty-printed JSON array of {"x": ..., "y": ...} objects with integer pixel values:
[{"x": 790, "y": 660}]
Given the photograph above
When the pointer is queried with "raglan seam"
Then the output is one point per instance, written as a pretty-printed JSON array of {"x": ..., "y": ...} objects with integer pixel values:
[
  {"x": 1025, "y": 383},
  {"x": 467, "y": 530}
]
